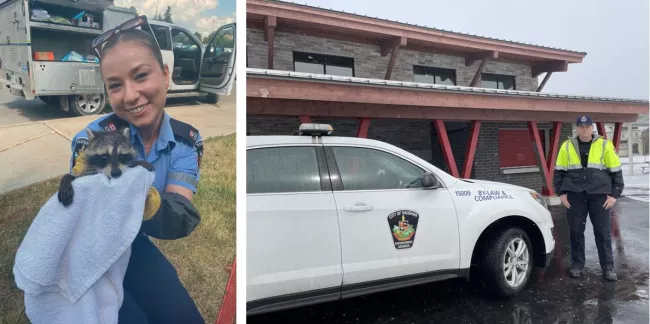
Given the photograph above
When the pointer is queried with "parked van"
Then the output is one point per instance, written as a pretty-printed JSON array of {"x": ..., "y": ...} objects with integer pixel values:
[{"x": 46, "y": 53}]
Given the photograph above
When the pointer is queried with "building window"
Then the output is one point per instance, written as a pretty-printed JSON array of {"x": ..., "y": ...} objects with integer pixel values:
[
  {"x": 516, "y": 148},
  {"x": 425, "y": 74},
  {"x": 498, "y": 81},
  {"x": 323, "y": 64}
]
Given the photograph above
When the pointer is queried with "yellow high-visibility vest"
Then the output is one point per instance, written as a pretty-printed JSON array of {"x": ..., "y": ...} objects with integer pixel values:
[{"x": 602, "y": 156}]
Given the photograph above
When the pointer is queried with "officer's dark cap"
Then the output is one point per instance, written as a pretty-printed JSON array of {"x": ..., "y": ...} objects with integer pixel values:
[{"x": 584, "y": 120}]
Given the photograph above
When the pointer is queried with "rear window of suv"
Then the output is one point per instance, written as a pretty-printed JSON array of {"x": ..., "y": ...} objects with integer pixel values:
[{"x": 282, "y": 169}]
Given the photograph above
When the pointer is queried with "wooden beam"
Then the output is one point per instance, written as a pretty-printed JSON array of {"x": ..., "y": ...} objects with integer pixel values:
[
  {"x": 541, "y": 158},
  {"x": 477, "y": 75},
  {"x": 441, "y": 131},
  {"x": 391, "y": 62},
  {"x": 546, "y": 77},
  {"x": 471, "y": 149},
  {"x": 362, "y": 131},
  {"x": 617, "y": 135},
  {"x": 480, "y": 56},
  {"x": 551, "y": 66},
  {"x": 601, "y": 129},
  {"x": 386, "y": 46},
  {"x": 270, "y": 106},
  {"x": 344, "y": 94},
  {"x": 269, "y": 37},
  {"x": 553, "y": 148},
  {"x": 269, "y": 24}
]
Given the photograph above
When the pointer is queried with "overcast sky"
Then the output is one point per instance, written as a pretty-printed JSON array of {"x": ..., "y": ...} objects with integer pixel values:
[{"x": 613, "y": 33}]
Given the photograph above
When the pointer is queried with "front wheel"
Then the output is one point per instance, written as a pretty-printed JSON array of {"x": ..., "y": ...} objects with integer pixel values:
[
  {"x": 507, "y": 262},
  {"x": 87, "y": 104}
]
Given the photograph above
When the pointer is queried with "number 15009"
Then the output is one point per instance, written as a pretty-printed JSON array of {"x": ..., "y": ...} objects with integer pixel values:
[{"x": 463, "y": 193}]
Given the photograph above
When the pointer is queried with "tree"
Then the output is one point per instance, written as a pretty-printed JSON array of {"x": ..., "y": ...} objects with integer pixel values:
[
  {"x": 198, "y": 36},
  {"x": 167, "y": 16}
]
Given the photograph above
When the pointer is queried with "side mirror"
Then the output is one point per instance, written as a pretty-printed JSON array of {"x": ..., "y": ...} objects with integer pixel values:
[{"x": 429, "y": 180}]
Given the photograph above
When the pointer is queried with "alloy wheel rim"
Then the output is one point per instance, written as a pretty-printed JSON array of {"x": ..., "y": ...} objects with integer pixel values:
[
  {"x": 515, "y": 262},
  {"x": 89, "y": 103}
]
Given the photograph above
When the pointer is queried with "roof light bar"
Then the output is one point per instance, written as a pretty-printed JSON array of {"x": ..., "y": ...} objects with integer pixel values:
[{"x": 315, "y": 129}]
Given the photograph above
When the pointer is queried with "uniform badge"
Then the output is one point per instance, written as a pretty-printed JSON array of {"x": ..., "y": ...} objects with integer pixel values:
[
  {"x": 403, "y": 224},
  {"x": 79, "y": 145},
  {"x": 193, "y": 135}
]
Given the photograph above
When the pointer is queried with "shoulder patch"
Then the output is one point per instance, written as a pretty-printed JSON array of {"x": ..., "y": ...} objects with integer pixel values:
[
  {"x": 185, "y": 131},
  {"x": 79, "y": 145},
  {"x": 112, "y": 123}
]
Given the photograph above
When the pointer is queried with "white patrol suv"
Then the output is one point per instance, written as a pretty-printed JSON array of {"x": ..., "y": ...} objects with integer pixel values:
[{"x": 337, "y": 217}]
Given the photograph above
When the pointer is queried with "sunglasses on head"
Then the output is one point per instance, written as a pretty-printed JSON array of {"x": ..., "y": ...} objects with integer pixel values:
[{"x": 127, "y": 25}]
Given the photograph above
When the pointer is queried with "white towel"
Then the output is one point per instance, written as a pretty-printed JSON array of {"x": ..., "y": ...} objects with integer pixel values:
[{"x": 72, "y": 261}]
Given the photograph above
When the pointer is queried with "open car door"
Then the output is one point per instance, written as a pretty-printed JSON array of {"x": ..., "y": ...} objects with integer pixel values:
[{"x": 217, "y": 71}]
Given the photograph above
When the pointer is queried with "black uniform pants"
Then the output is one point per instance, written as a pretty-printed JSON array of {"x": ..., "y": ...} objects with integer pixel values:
[
  {"x": 152, "y": 291},
  {"x": 581, "y": 205}
]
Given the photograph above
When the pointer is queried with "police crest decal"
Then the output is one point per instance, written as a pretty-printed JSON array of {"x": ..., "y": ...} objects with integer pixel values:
[{"x": 403, "y": 225}]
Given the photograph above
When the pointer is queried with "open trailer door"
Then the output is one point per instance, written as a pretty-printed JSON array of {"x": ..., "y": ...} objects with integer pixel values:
[{"x": 217, "y": 71}]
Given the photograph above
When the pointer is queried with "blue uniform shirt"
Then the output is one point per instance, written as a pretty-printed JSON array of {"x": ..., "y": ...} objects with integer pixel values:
[{"x": 176, "y": 154}]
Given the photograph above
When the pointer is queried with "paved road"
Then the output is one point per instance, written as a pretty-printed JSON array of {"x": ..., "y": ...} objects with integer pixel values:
[
  {"x": 17, "y": 110},
  {"x": 553, "y": 297}
]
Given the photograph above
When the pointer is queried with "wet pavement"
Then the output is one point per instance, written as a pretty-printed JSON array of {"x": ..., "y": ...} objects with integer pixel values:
[{"x": 552, "y": 296}]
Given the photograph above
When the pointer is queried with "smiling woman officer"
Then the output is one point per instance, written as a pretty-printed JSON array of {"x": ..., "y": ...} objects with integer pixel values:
[{"x": 136, "y": 81}]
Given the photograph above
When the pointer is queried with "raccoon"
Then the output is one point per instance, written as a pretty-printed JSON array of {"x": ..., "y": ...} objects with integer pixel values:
[{"x": 109, "y": 153}]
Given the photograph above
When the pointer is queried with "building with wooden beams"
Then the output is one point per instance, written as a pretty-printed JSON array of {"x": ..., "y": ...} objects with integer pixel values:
[{"x": 471, "y": 105}]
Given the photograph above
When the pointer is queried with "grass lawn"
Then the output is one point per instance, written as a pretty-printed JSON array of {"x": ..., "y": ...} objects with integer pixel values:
[{"x": 200, "y": 259}]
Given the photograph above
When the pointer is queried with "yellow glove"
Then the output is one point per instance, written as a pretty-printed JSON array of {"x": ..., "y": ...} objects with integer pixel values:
[
  {"x": 80, "y": 165},
  {"x": 152, "y": 204}
]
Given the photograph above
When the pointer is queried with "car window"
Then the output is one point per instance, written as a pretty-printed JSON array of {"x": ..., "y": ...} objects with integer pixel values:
[
  {"x": 282, "y": 169},
  {"x": 223, "y": 42},
  {"x": 370, "y": 169},
  {"x": 181, "y": 39}
]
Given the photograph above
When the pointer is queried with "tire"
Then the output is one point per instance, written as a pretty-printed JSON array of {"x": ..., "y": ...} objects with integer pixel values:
[
  {"x": 494, "y": 258},
  {"x": 86, "y": 105},
  {"x": 211, "y": 98}
]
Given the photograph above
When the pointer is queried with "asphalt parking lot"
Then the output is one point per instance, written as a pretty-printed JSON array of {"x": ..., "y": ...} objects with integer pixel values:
[{"x": 552, "y": 297}]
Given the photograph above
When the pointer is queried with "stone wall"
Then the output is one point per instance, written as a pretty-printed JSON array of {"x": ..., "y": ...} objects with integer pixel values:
[{"x": 368, "y": 62}]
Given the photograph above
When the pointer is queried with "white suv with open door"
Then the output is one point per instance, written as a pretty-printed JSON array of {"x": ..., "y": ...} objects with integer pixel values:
[{"x": 337, "y": 217}]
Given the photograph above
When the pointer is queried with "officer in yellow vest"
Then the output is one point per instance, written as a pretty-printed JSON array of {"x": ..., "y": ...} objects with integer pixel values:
[{"x": 589, "y": 179}]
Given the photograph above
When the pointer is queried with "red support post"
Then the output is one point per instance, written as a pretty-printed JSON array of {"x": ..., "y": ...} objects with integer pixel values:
[
  {"x": 362, "y": 132},
  {"x": 539, "y": 154},
  {"x": 446, "y": 147},
  {"x": 601, "y": 129},
  {"x": 552, "y": 157},
  {"x": 617, "y": 135},
  {"x": 228, "y": 307},
  {"x": 305, "y": 120},
  {"x": 471, "y": 149}
]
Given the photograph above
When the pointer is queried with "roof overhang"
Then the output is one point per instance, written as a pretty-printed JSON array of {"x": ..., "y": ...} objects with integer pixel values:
[
  {"x": 271, "y": 92},
  {"x": 306, "y": 20}
]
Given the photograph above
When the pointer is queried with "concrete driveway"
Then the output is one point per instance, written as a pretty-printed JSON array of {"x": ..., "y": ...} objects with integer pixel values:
[
  {"x": 17, "y": 110},
  {"x": 36, "y": 139}
]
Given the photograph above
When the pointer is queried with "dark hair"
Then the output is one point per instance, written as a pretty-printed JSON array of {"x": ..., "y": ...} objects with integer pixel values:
[{"x": 136, "y": 35}]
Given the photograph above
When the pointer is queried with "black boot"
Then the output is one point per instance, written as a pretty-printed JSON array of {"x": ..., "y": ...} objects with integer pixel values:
[{"x": 610, "y": 275}]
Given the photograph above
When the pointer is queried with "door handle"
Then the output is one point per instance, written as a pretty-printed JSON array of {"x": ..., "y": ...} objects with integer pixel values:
[{"x": 358, "y": 207}]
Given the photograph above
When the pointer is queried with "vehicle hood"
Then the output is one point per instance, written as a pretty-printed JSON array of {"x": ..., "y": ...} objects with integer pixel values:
[{"x": 492, "y": 185}]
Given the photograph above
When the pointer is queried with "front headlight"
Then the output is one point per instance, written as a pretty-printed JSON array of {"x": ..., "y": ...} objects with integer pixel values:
[{"x": 539, "y": 198}]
